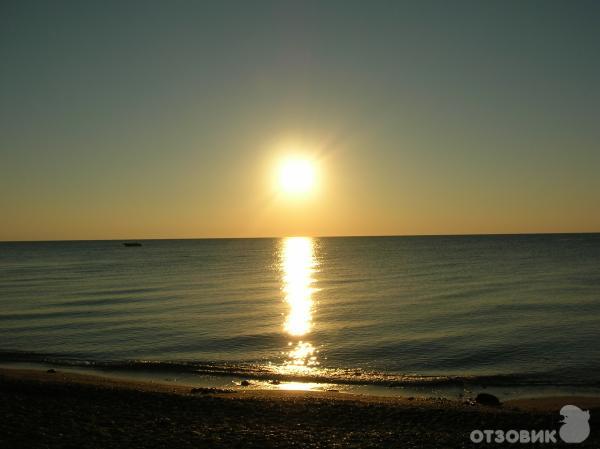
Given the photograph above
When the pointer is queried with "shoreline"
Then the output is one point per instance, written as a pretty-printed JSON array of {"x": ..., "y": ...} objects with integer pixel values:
[
  {"x": 42, "y": 376},
  {"x": 452, "y": 388},
  {"x": 58, "y": 409}
]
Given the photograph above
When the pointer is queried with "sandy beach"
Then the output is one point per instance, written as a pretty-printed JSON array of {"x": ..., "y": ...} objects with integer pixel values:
[{"x": 50, "y": 410}]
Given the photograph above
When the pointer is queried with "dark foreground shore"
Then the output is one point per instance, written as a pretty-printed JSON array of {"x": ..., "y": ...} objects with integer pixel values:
[{"x": 59, "y": 410}]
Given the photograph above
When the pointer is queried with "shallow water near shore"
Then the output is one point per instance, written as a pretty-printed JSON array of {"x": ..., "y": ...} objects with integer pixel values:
[{"x": 442, "y": 315}]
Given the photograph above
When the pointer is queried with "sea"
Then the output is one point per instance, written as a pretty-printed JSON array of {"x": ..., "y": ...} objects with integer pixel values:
[{"x": 441, "y": 316}]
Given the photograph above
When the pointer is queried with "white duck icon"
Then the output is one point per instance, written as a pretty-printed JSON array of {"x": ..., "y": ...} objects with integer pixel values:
[{"x": 575, "y": 428}]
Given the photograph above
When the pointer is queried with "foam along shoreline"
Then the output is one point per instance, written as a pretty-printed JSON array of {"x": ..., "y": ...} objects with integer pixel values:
[
  {"x": 346, "y": 381},
  {"x": 334, "y": 376},
  {"x": 54, "y": 409}
]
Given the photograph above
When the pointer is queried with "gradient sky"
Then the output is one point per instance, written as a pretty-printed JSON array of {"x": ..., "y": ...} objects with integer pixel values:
[{"x": 167, "y": 119}]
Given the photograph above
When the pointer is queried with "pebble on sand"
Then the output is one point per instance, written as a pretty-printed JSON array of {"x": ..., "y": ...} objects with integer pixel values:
[{"x": 487, "y": 399}]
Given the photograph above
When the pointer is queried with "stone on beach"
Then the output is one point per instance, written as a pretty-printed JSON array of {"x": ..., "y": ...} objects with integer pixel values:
[{"x": 487, "y": 399}]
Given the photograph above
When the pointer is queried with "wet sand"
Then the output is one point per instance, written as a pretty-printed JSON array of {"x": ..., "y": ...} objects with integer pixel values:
[{"x": 68, "y": 410}]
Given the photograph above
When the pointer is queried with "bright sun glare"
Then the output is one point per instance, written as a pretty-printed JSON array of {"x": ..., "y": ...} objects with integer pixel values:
[{"x": 296, "y": 176}]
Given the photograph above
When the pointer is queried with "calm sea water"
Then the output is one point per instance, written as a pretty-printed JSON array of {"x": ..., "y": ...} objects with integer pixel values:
[{"x": 513, "y": 310}]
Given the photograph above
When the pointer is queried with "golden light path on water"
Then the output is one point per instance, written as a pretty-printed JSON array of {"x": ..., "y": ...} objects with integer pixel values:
[{"x": 298, "y": 265}]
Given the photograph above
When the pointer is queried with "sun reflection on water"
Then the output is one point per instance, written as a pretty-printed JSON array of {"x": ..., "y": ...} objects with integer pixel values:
[
  {"x": 300, "y": 386},
  {"x": 298, "y": 265},
  {"x": 303, "y": 354}
]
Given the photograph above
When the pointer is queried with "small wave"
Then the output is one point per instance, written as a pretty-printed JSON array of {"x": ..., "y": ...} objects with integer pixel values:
[{"x": 284, "y": 373}]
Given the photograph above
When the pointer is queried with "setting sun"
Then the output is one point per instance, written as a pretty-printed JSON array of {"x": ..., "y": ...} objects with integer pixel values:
[{"x": 296, "y": 176}]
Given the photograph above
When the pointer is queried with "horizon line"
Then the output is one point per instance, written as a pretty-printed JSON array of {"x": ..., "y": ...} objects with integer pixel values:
[{"x": 491, "y": 234}]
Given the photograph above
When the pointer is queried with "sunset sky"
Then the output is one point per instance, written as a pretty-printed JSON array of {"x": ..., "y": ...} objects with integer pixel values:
[{"x": 172, "y": 119}]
